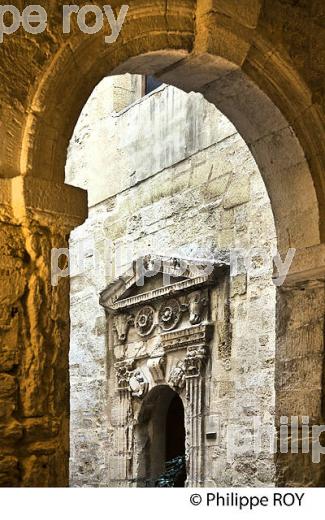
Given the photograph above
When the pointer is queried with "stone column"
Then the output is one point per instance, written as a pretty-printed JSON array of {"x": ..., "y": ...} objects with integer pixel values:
[
  {"x": 124, "y": 435},
  {"x": 194, "y": 367},
  {"x": 35, "y": 216},
  {"x": 299, "y": 368}
]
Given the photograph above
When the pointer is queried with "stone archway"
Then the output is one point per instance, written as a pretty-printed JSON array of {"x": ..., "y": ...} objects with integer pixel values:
[
  {"x": 287, "y": 176},
  {"x": 235, "y": 57}
]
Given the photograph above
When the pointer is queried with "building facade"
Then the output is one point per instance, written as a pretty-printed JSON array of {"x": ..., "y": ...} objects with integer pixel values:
[{"x": 179, "y": 244}]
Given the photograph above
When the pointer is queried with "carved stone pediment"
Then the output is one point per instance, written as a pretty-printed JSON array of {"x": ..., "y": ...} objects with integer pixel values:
[{"x": 153, "y": 278}]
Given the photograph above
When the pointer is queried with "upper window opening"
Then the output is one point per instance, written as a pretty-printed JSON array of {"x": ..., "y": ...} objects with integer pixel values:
[{"x": 151, "y": 84}]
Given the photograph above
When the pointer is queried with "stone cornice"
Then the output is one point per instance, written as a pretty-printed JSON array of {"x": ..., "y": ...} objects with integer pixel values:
[
  {"x": 308, "y": 265},
  {"x": 159, "y": 293},
  {"x": 112, "y": 297},
  {"x": 182, "y": 338}
]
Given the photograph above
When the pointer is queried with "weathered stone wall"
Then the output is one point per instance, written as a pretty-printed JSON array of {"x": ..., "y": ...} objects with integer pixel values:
[
  {"x": 34, "y": 336},
  {"x": 299, "y": 359},
  {"x": 169, "y": 175}
]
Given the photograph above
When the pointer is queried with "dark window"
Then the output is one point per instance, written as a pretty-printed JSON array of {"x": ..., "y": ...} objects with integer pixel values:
[{"x": 151, "y": 83}]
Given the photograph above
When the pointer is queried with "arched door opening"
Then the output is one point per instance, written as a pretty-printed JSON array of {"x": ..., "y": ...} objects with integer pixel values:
[
  {"x": 161, "y": 440},
  {"x": 175, "y": 444}
]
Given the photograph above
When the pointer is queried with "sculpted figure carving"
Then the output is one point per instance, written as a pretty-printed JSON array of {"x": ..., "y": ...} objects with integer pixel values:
[
  {"x": 196, "y": 304},
  {"x": 176, "y": 378},
  {"x": 194, "y": 360},
  {"x": 121, "y": 325},
  {"x": 123, "y": 373},
  {"x": 138, "y": 384}
]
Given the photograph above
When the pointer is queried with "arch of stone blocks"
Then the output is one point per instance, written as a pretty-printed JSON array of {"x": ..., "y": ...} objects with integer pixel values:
[{"x": 244, "y": 58}]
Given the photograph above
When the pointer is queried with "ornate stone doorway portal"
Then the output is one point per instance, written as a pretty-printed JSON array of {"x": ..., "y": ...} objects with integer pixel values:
[{"x": 160, "y": 336}]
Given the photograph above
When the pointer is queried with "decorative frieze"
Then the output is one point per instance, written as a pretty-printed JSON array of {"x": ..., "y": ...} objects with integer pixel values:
[
  {"x": 182, "y": 338},
  {"x": 197, "y": 302},
  {"x": 122, "y": 324}
]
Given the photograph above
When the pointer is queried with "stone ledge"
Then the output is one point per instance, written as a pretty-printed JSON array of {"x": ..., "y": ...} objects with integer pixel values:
[
  {"x": 308, "y": 264},
  {"x": 25, "y": 194}
]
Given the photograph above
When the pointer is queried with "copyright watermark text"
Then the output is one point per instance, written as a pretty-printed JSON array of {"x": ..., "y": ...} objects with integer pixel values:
[
  {"x": 246, "y": 501},
  {"x": 90, "y": 19}
]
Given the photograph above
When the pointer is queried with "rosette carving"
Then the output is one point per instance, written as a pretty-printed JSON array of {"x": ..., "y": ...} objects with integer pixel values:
[
  {"x": 169, "y": 315},
  {"x": 144, "y": 321}
]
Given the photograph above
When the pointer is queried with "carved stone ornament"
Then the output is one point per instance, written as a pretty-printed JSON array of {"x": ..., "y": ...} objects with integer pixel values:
[
  {"x": 227, "y": 364},
  {"x": 122, "y": 324},
  {"x": 196, "y": 305},
  {"x": 176, "y": 378},
  {"x": 196, "y": 356},
  {"x": 138, "y": 384},
  {"x": 124, "y": 370},
  {"x": 157, "y": 365},
  {"x": 169, "y": 315},
  {"x": 118, "y": 294},
  {"x": 144, "y": 321}
]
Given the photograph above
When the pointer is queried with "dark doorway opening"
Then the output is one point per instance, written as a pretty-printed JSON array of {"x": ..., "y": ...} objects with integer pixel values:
[
  {"x": 175, "y": 441},
  {"x": 161, "y": 439}
]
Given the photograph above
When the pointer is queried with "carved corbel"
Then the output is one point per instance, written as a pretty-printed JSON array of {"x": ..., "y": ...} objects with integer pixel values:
[{"x": 157, "y": 365}]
